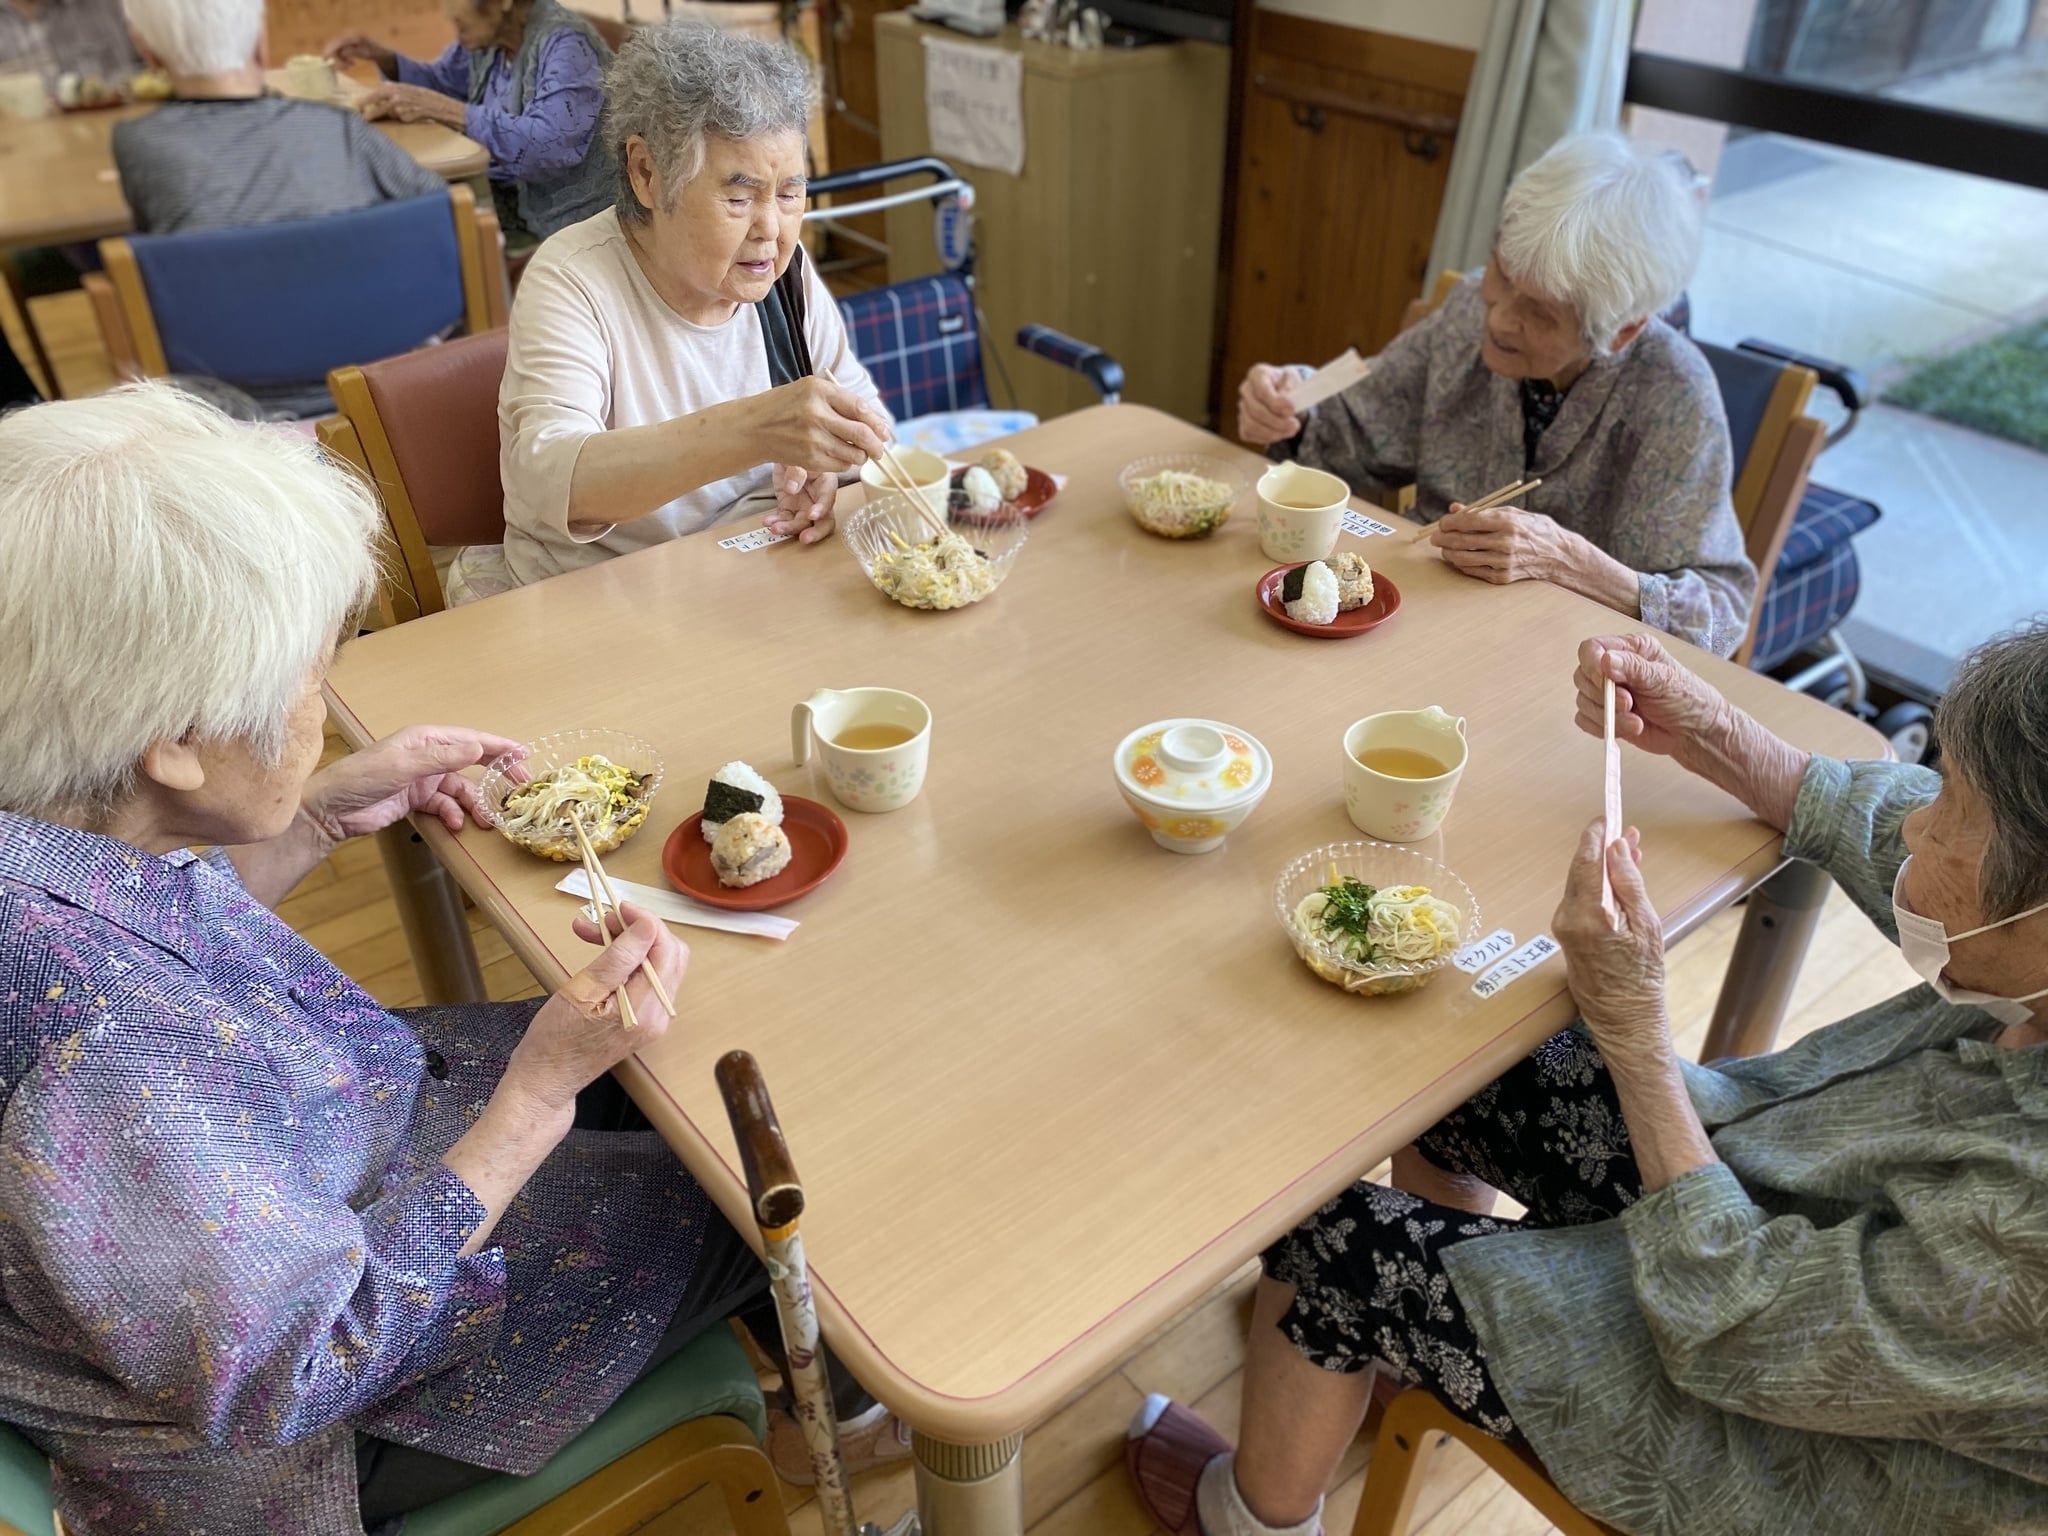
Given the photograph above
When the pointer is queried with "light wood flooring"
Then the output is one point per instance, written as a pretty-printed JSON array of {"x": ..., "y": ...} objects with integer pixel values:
[{"x": 1073, "y": 1482}]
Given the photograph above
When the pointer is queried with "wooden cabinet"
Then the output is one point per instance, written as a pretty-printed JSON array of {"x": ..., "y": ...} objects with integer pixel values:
[
  {"x": 1110, "y": 233},
  {"x": 1344, "y": 150}
]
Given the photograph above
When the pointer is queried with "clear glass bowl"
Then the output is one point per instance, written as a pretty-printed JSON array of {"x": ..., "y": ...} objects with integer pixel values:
[
  {"x": 1376, "y": 864},
  {"x": 506, "y": 774},
  {"x": 1190, "y": 522},
  {"x": 886, "y": 524}
]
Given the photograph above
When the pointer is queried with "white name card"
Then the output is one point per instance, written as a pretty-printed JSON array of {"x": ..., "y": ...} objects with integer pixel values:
[
  {"x": 1517, "y": 965},
  {"x": 753, "y": 538},
  {"x": 974, "y": 104},
  {"x": 1365, "y": 527},
  {"x": 1474, "y": 958}
]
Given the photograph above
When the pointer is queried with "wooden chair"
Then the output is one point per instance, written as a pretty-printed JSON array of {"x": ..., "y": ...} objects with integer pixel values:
[
  {"x": 1410, "y": 1436},
  {"x": 294, "y": 299},
  {"x": 694, "y": 1421},
  {"x": 423, "y": 428}
]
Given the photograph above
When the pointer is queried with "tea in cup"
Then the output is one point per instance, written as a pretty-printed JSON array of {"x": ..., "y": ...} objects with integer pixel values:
[
  {"x": 927, "y": 471},
  {"x": 1400, "y": 770},
  {"x": 873, "y": 742},
  {"x": 1301, "y": 512}
]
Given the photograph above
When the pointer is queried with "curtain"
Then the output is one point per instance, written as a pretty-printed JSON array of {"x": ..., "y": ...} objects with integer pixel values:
[{"x": 1546, "y": 68}]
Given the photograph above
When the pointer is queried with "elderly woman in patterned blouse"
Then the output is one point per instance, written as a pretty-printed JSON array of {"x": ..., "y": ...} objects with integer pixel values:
[
  {"x": 1802, "y": 1292},
  {"x": 270, "y": 1253},
  {"x": 1551, "y": 363}
]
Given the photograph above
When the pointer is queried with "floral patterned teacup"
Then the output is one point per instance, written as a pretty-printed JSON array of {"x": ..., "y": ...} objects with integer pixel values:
[
  {"x": 1393, "y": 806},
  {"x": 1301, "y": 512},
  {"x": 873, "y": 744}
]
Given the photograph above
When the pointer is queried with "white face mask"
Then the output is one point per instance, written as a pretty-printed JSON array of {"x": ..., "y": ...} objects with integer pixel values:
[{"x": 1925, "y": 943}]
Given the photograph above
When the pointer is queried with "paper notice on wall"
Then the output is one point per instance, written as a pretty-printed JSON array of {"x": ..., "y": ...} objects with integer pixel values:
[{"x": 974, "y": 104}]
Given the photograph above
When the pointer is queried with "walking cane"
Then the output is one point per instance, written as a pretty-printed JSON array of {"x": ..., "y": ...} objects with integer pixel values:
[{"x": 778, "y": 1200}]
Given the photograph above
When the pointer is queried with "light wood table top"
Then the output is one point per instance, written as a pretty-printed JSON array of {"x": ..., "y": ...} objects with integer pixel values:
[
  {"x": 57, "y": 178},
  {"x": 1046, "y": 1082}
]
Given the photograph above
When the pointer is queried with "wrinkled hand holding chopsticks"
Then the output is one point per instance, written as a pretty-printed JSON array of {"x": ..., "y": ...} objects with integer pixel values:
[
  {"x": 1485, "y": 503},
  {"x": 602, "y": 896}
]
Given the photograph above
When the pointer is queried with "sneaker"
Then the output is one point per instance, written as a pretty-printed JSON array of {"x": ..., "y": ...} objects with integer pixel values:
[{"x": 862, "y": 1449}]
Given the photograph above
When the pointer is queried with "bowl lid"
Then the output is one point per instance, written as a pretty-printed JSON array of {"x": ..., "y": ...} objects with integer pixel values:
[{"x": 1193, "y": 763}]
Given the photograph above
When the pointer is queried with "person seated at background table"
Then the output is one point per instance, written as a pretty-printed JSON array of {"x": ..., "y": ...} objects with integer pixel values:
[
  {"x": 67, "y": 37},
  {"x": 1795, "y": 1292},
  {"x": 271, "y": 1252},
  {"x": 656, "y": 379},
  {"x": 525, "y": 79},
  {"x": 1552, "y": 363}
]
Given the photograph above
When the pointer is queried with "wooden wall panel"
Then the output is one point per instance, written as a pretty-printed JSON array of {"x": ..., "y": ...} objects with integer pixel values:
[{"x": 416, "y": 27}]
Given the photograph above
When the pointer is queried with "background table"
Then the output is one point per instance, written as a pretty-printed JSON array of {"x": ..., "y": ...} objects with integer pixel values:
[{"x": 1047, "y": 1083}]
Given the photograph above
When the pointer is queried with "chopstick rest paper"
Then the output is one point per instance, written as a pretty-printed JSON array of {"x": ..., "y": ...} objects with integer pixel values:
[
  {"x": 1339, "y": 374},
  {"x": 670, "y": 907}
]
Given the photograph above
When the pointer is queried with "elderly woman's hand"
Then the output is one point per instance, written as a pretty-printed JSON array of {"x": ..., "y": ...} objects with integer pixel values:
[
  {"x": 412, "y": 104},
  {"x": 1504, "y": 544},
  {"x": 416, "y": 769},
  {"x": 803, "y": 503},
  {"x": 351, "y": 46},
  {"x": 1265, "y": 414},
  {"x": 1658, "y": 704},
  {"x": 1615, "y": 966},
  {"x": 818, "y": 424}
]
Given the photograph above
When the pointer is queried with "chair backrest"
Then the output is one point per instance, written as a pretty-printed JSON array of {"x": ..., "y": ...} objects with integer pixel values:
[
  {"x": 25, "y": 1504},
  {"x": 921, "y": 341},
  {"x": 425, "y": 430},
  {"x": 287, "y": 302}
]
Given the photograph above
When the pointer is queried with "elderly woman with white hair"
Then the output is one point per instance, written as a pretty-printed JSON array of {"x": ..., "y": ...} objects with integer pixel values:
[
  {"x": 1551, "y": 363},
  {"x": 276, "y": 1259},
  {"x": 675, "y": 361},
  {"x": 1797, "y": 1292}
]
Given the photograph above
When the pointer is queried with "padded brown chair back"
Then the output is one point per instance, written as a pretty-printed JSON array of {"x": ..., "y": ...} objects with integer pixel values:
[{"x": 424, "y": 428}]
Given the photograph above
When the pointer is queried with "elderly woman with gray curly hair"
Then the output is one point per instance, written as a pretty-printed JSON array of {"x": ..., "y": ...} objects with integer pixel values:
[
  {"x": 1795, "y": 1292},
  {"x": 675, "y": 361},
  {"x": 274, "y": 1258},
  {"x": 1551, "y": 364}
]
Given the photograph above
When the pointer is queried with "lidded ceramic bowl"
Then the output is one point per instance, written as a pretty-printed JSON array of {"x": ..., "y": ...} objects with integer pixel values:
[{"x": 1191, "y": 782}]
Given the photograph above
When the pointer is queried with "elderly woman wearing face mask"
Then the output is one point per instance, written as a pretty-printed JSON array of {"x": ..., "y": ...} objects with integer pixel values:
[
  {"x": 676, "y": 362},
  {"x": 1551, "y": 364},
  {"x": 1798, "y": 1292}
]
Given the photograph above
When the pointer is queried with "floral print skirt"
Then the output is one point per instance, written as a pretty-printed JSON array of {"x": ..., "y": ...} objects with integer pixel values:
[{"x": 1368, "y": 1267}]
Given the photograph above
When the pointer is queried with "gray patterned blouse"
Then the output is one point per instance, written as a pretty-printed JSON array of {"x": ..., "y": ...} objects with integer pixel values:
[
  {"x": 1842, "y": 1328},
  {"x": 1638, "y": 460}
]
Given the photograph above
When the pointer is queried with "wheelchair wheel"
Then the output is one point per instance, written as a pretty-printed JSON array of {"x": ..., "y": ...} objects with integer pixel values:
[{"x": 1910, "y": 730}]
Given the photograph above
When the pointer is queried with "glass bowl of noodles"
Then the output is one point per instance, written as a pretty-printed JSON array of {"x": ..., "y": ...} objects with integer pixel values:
[
  {"x": 605, "y": 778},
  {"x": 1181, "y": 495},
  {"x": 1374, "y": 918},
  {"x": 908, "y": 559}
]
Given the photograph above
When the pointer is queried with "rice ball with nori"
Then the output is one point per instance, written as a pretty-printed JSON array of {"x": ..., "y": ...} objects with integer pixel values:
[
  {"x": 1310, "y": 593},
  {"x": 734, "y": 790},
  {"x": 749, "y": 850}
]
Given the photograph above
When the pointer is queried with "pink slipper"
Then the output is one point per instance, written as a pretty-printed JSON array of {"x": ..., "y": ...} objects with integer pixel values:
[{"x": 1164, "y": 1451}]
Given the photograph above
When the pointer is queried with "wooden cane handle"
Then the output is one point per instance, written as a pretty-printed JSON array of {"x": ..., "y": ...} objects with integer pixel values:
[{"x": 771, "y": 1176}]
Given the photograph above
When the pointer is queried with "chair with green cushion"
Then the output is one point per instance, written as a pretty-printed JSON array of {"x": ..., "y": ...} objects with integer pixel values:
[{"x": 695, "y": 1420}]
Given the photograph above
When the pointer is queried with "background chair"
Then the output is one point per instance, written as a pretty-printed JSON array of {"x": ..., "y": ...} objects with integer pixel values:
[
  {"x": 1410, "y": 1436},
  {"x": 694, "y": 1421},
  {"x": 287, "y": 302},
  {"x": 423, "y": 426}
]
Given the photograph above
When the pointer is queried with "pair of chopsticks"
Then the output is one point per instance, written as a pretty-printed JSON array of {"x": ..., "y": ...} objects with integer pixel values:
[
  {"x": 900, "y": 478},
  {"x": 1612, "y": 810},
  {"x": 601, "y": 894},
  {"x": 1485, "y": 503}
]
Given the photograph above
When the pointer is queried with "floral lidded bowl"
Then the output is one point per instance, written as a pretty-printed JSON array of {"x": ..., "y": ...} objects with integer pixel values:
[{"x": 1191, "y": 782}]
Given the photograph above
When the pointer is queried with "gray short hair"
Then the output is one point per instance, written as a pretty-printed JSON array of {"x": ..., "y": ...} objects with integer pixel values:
[
  {"x": 165, "y": 574},
  {"x": 198, "y": 37},
  {"x": 1607, "y": 226},
  {"x": 1993, "y": 729},
  {"x": 678, "y": 83}
]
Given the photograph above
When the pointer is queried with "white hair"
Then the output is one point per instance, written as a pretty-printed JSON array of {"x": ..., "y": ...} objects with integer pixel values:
[
  {"x": 198, "y": 37},
  {"x": 165, "y": 574},
  {"x": 1604, "y": 225}
]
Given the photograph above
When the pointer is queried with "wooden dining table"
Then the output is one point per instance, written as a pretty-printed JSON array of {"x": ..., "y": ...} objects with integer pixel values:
[{"x": 1047, "y": 1083}]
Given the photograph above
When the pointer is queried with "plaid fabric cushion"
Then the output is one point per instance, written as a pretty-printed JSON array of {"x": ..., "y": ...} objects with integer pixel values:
[
  {"x": 1817, "y": 578},
  {"x": 920, "y": 342}
]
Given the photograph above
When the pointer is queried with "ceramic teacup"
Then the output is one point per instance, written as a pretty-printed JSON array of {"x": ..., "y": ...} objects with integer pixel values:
[
  {"x": 839, "y": 721},
  {"x": 1301, "y": 512},
  {"x": 927, "y": 471},
  {"x": 311, "y": 77},
  {"x": 1404, "y": 803},
  {"x": 22, "y": 95}
]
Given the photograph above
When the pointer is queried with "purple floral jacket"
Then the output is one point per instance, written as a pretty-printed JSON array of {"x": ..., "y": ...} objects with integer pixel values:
[{"x": 226, "y": 1238}]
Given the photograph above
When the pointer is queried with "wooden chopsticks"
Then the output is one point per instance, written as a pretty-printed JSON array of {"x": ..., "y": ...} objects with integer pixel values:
[
  {"x": 1612, "y": 812},
  {"x": 1485, "y": 503},
  {"x": 601, "y": 893},
  {"x": 901, "y": 479}
]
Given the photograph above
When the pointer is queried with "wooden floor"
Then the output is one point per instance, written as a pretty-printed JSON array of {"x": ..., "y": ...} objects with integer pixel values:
[{"x": 1073, "y": 1482}]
